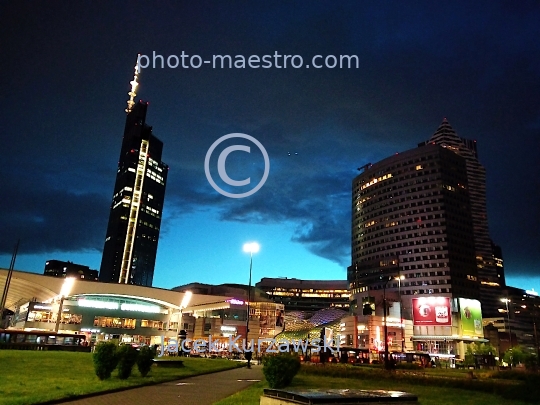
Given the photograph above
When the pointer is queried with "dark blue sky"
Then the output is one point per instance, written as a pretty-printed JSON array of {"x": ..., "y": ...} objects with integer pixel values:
[{"x": 65, "y": 72}]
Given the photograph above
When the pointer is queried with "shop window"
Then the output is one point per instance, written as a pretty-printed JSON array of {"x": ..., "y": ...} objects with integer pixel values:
[{"x": 107, "y": 322}]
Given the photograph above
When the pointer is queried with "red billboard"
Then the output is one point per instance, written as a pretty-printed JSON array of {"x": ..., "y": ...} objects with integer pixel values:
[{"x": 434, "y": 311}]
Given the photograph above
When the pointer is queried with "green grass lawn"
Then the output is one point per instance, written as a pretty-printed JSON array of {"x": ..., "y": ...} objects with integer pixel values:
[
  {"x": 31, "y": 377},
  {"x": 426, "y": 395}
]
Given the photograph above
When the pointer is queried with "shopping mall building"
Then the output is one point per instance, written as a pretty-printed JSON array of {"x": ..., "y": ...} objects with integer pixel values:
[{"x": 130, "y": 313}]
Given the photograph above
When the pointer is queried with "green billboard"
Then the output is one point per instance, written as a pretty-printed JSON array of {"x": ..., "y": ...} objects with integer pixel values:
[{"x": 471, "y": 317}]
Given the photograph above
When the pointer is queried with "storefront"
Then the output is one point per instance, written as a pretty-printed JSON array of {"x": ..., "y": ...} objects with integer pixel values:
[
  {"x": 102, "y": 317},
  {"x": 226, "y": 321},
  {"x": 444, "y": 327}
]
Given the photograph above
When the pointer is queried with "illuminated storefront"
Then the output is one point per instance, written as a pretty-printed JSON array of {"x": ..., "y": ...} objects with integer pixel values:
[
  {"x": 445, "y": 326},
  {"x": 227, "y": 320}
]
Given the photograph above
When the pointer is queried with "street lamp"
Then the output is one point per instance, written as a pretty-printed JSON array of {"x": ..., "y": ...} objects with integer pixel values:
[
  {"x": 252, "y": 247},
  {"x": 506, "y": 300},
  {"x": 64, "y": 292},
  {"x": 183, "y": 305},
  {"x": 386, "y": 362},
  {"x": 399, "y": 278}
]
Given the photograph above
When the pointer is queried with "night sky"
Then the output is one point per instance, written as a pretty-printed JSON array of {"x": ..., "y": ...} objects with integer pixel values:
[{"x": 65, "y": 72}]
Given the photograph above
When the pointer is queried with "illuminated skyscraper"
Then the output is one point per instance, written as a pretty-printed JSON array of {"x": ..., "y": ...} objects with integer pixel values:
[
  {"x": 411, "y": 217},
  {"x": 129, "y": 254}
]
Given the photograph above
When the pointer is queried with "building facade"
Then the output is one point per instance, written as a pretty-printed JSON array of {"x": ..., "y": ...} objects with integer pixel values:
[
  {"x": 240, "y": 291},
  {"x": 517, "y": 321},
  {"x": 306, "y": 295},
  {"x": 490, "y": 276},
  {"x": 131, "y": 242},
  {"x": 413, "y": 236},
  {"x": 58, "y": 268}
]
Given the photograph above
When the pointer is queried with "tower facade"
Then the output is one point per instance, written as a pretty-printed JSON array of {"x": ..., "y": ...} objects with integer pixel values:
[
  {"x": 412, "y": 229},
  {"x": 131, "y": 243}
]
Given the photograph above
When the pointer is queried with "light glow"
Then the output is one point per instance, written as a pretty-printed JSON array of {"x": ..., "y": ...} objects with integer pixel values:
[
  {"x": 252, "y": 247},
  {"x": 133, "y": 93},
  {"x": 140, "y": 308},
  {"x": 98, "y": 304},
  {"x": 66, "y": 287},
  {"x": 186, "y": 299},
  {"x": 235, "y": 301}
]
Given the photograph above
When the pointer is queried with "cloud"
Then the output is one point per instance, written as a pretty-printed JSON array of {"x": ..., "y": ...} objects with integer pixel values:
[{"x": 48, "y": 218}]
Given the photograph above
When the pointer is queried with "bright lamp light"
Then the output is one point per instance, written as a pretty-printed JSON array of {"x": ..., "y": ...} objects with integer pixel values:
[
  {"x": 252, "y": 247},
  {"x": 67, "y": 286},
  {"x": 186, "y": 299}
]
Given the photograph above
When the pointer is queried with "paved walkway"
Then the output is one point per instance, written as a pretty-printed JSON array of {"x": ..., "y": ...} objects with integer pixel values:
[{"x": 200, "y": 390}]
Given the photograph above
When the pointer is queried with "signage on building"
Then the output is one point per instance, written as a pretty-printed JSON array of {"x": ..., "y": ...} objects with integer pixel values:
[
  {"x": 471, "y": 317},
  {"x": 432, "y": 311},
  {"x": 235, "y": 301},
  {"x": 39, "y": 306}
]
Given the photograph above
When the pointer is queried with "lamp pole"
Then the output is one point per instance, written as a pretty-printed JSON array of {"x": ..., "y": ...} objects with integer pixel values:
[
  {"x": 508, "y": 316},
  {"x": 399, "y": 278},
  {"x": 64, "y": 292},
  {"x": 386, "y": 362},
  {"x": 251, "y": 248},
  {"x": 249, "y": 292}
]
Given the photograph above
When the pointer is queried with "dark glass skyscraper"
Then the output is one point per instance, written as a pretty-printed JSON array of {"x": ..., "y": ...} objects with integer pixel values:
[{"x": 131, "y": 242}]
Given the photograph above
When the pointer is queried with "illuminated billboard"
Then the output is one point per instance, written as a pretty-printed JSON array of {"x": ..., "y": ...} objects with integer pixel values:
[
  {"x": 471, "y": 317},
  {"x": 432, "y": 311}
]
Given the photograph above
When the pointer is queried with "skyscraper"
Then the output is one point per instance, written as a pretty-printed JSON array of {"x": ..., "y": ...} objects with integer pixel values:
[
  {"x": 490, "y": 273},
  {"x": 129, "y": 254},
  {"x": 411, "y": 217}
]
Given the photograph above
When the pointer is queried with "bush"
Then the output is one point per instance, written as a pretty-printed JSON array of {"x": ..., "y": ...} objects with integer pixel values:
[
  {"x": 127, "y": 357},
  {"x": 145, "y": 360},
  {"x": 408, "y": 366},
  {"x": 280, "y": 370},
  {"x": 105, "y": 359}
]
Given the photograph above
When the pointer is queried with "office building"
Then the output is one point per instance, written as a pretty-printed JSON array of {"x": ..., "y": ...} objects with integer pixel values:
[
  {"x": 413, "y": 247},
  {"x": 411, "y": 217},
  {"x": 131, "y": 242},
  {"x": 58, "y": 268},
  {"x": 490, "y": 274}
]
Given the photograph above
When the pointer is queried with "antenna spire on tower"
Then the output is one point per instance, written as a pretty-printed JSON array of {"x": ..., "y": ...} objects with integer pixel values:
[{"x": 134, "y": 83}]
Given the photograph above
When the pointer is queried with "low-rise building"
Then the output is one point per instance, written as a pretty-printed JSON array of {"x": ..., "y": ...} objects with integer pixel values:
[{"x": 307, "y": 296}]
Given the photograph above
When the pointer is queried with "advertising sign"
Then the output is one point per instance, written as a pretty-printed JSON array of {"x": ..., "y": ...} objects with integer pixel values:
[
  {"x": 434, "y": 311},
  {"x": 471, "y": 317}
]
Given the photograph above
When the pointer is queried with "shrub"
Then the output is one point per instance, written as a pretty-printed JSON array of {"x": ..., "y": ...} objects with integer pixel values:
[
  {"x": 145, "y": 360},
  {"x": 408, "y": 366},
  {"x": 280, "y": 370},
  {"x": 127, "y": 357},
  {"x": 105, "y": 359}
]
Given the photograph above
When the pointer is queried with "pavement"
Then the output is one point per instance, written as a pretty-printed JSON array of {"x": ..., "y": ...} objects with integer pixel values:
[{"x": 200, "y": 390}]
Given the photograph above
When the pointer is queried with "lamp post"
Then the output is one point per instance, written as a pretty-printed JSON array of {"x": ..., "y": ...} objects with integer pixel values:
[
  {"x": 386, "y": 362},
  {"x": 399, "y": 278},
  {"x": 506, "y": 300},
  {"x": 183, "y": 305},
  {"x": 250, "y": 248},
  {"x": 64, "y": 292}
]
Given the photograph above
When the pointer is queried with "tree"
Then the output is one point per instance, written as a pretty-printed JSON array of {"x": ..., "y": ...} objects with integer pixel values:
[{"x": 520, "y": 355}]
